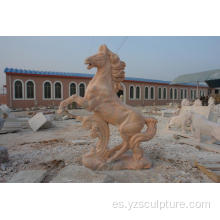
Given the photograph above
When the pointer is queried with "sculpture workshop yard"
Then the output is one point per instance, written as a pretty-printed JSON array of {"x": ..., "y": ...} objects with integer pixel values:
[
  {"x": 54, "y": 155},
  {"x": 132, "y": 144}
]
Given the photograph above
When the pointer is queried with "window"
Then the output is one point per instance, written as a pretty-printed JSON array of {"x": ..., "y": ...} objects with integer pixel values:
[
  {"x": 194, "y": 92},
  {"x": 181, "y": 94},
  {"x": 47, "y": 90},
  {"x": 202, "y": 93},
  {"x": 30, "y": 90},
  {"x": 171, "y": 93},
  {"x": 164, "y": 93},
  {"x": 58, "y": 90},
  {"x": 18, "y": 87},
  {"x": 191, "y": 94},
  {"x": 152, "y": 92},
  {"x": 138, "y": 92},
  {"x": 159, "y": 93},
  {"x": 72, "y": 88},
  {"x": 185, "y": 93},
  {"x": 82, "y": 89},
  {"x": 146, "y": 93},
  {"x": 131, "y": 92},
  {"x": 175, "y": 93}
]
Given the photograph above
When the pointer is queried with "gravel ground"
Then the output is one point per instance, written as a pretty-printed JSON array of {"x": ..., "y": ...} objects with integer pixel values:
[{"x": 172, "y": 162}]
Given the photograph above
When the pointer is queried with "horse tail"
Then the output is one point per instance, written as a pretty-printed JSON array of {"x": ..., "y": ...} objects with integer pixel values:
[{"x": 141, "y": 137}]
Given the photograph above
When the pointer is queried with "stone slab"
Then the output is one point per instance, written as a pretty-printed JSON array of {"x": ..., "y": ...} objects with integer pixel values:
[
  {"x": 80, "y": 174},
  {"x": 8, "y": 130},
  {"x": 168, "y": 113},
  {"x": 28, "y": 176},
  {"x": 202, "y": 146},
  {"x": 80, "y": 142}
]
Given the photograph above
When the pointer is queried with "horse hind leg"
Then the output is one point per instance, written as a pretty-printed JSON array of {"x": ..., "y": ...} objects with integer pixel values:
[
  {"x": 114, "y": 149},
  {"x": 127, "y": 130},
  {"x": 123, "y": 148},
  {"x": 120, "y": 149},
  {"x": 138, "y": 153}
]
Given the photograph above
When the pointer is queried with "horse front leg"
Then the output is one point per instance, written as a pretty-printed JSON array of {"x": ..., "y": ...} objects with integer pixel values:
[{"x": 74, "y": 98}]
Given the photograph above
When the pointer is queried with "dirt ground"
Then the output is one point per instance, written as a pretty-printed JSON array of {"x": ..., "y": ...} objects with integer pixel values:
[{"x": 67, "y": 141}]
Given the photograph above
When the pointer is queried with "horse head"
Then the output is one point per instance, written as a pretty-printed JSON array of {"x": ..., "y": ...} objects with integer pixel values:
[
  {"x": 106, "y": 58},
  {"x": 98, "y": 60}
]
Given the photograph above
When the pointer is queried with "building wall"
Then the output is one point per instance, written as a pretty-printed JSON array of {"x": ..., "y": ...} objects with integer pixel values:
[
  {"x": 3, "y": 99},
  {"x": 40, "y": 101},
  {"x": 156, "y": 101}
]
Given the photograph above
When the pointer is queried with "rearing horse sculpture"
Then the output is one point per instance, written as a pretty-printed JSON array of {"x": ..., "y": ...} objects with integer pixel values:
[{"x": 101, "y": 99}]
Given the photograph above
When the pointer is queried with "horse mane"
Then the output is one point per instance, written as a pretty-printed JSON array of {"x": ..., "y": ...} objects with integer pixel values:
[{"x": 118, "y": 74}]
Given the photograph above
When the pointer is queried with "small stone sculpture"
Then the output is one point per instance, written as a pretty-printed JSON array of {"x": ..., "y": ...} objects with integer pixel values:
[
  {"x": 185, "y": 102},
  {"x": 101, "y": 99},
  {"x": 197, "y": 102},
  {"x": 182, "y": 118},
  {"x": 202, "y": 126},
  {"x": 207, "y": 111},
  {"x": 180, "y": 121},
  {"x": 211, "y": 100}
]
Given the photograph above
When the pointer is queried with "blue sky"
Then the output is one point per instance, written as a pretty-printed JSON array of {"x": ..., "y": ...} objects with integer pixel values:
[{"x": 148, "y": 57}]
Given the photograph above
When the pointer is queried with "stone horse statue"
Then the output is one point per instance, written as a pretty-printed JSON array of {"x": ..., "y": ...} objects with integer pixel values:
[{"x": 101, "y": 99}]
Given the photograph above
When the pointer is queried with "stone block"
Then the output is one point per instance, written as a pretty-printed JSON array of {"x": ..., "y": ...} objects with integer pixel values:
[{"x": 39, "y": 121}]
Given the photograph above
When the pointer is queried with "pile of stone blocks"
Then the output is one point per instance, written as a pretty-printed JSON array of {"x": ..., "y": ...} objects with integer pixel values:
[{"x": 40, "y": 121}]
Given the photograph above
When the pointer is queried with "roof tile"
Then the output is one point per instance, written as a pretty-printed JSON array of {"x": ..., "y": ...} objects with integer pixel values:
[{"x": 23, "y": 71}]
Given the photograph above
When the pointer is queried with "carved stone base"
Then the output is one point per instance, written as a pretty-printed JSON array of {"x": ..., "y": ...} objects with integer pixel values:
[
  {"x": 93, "y": 161},
  {"x": 126, "y": 162}
]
